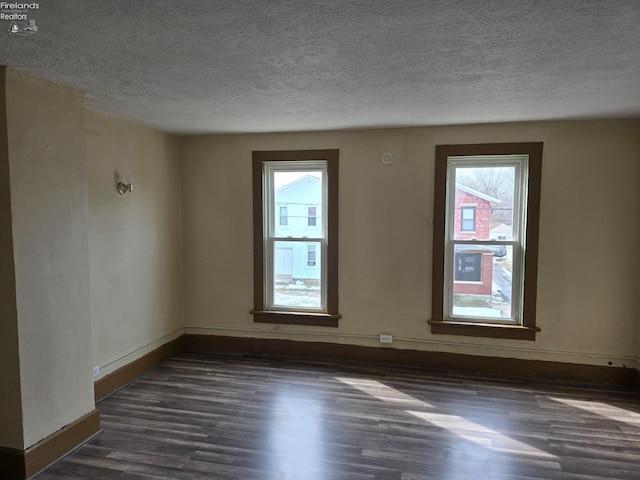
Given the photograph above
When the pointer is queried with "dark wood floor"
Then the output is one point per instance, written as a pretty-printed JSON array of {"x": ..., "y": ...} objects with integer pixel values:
[{"x": 231, "y": 417}]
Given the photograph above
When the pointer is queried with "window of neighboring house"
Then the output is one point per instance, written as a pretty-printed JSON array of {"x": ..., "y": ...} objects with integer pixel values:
[
  {"x": 311, "y": 216},
  {"x": 468, "y": 267},
  {"x": 468, "y": 223},
  {"x": 500, "y": 301},
  {"x": 311, "y": 254},
  {"x": 285, "y": 290},
  {"x": 284, "y": 216}
]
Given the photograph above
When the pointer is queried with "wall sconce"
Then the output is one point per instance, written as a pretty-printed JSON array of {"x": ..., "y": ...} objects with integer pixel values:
[{"x": 125, "y": 187}]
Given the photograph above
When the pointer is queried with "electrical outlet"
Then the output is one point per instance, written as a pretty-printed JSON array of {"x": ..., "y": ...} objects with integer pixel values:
[
  {"x": 386, "y": 339},
  {"x": 96, "y": 370}
]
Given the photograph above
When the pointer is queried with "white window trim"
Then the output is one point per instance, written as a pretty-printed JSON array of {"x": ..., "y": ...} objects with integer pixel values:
[
  {"x": 269, "y": 217},
  {"x": 520, "y": 162}
]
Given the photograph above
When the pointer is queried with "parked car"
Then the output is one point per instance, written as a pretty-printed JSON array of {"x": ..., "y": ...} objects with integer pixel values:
[{"x": 499, "y": 250}]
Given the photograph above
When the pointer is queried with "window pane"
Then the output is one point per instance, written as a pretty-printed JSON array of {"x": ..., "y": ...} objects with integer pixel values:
[
  {"x": 284, "y": 216},
  {"x": 300, "y": 193},
  {"x": 297, "y": 283},
  {"x": 312, "y": 251},
  {"x": 311, "y": 216},
  {"x": 482, "y": 286},
  {"x": 468, "y": 267},
  {"x": 484, "y": 200},
  {"x": 468, "y": 215}
]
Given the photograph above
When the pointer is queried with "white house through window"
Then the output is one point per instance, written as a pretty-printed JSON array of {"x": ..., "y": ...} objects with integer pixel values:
[
  {"x": 295, "y": 237},
  {"x": 299, "y": 191}
]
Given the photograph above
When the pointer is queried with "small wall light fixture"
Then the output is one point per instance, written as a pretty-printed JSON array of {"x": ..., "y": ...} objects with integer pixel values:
[{"x": 123, "y": 187}]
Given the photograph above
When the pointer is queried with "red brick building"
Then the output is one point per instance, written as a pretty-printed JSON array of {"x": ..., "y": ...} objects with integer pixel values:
[{"x": 473, "y": 265}]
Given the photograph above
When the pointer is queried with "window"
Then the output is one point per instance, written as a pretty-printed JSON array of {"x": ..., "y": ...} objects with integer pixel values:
[
  {"x": 284, "y": 216},
  {"x": 485, "y": 284},
  {"x": 286, "y": 290},
  {"x": 311, "y": 255},
  {"x": 468, "y": 223},
  {"x": 311, "y": 216},
  {"x": 468, "y": 267}
]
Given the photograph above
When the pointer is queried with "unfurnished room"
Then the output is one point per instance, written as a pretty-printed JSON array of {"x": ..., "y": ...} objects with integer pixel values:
[{"x": 320, "y": 240}]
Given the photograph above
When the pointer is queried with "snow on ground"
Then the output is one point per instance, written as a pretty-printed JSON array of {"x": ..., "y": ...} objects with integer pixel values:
[
  {"x": 295, "y": 297},
  {"x": 477, "y": 312}
]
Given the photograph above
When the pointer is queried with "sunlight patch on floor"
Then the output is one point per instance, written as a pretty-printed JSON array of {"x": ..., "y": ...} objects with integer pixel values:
[
  {"x": 602, "y": 409},
  {"x": 455, "y": 424},
  {"x": 481, "y": 435},
  {"x": 383, "y": 392}
]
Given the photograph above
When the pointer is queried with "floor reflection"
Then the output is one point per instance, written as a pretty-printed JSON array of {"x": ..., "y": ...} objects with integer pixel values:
[{"x": 295, "y": 440}]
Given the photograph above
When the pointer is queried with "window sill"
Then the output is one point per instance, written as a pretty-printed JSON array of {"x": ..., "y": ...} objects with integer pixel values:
[
  {"x": 488, "y": 330},
  {"x": 296, "y": 318}
]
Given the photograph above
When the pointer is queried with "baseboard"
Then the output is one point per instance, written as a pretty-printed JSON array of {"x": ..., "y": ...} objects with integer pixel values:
[
  {"x": 512, "y": 367},
  {"x": 124, "y": 375},
  {"x": 21, "y": 464}
]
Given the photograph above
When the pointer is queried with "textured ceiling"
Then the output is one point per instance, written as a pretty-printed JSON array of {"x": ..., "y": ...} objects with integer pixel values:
[{"x": 285, "y": 65}]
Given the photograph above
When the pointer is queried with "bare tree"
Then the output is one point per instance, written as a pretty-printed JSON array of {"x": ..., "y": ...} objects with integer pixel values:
[{"x": 497, "y": 182}]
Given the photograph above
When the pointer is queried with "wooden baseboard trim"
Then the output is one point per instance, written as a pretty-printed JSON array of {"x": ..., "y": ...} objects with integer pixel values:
[
  {"x": 22, "y": 464},
  {"x": 47, "y": 451},
  {"x": 121, "y": 377},
  {"x": 511, "y": 367}
]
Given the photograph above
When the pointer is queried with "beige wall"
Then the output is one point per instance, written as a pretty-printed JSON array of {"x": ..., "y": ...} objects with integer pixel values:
[
  {"x": 638, "y": 343},
  {"x": 59, "y": 166},
  {"x": 135, "y": 240},
  {"x": 10, "y": 398},
  {"x": 588, "y": 281},
  {"x": 50, "y": 241}
]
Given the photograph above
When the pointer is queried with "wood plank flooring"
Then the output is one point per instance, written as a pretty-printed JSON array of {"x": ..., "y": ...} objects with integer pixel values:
[{"x": 235, "y": 417}]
